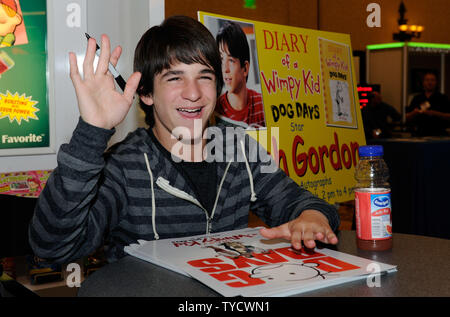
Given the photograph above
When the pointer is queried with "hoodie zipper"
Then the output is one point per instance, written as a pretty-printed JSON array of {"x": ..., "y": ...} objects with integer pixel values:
[{"x": 165, "y": 185}]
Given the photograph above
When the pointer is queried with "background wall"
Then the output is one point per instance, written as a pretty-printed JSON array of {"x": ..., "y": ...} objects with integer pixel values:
[
  {"x": 343, "y": 16},
  {"x": 125, "y": 22}
]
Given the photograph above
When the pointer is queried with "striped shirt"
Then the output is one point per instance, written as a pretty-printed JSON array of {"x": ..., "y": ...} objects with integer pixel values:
[
  {"x": 252, "y": 114},
  {"x": 133, "y": 191}
]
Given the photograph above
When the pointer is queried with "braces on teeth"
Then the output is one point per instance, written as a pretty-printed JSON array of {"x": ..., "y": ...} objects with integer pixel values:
[{"x": 190, "y": 110}]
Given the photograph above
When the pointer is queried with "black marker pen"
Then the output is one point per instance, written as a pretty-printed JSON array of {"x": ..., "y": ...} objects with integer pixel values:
[{"x": 120, "y": 81}]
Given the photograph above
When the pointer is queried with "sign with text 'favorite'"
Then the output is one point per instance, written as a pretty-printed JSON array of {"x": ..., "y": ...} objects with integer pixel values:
[{"x": 24, "y": 107}]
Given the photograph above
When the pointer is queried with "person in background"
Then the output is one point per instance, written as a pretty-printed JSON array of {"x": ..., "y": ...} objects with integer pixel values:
[
  {"x": 429, "y": 111},
  {"x": 140, "y": 188},
  {"x": 238, "y": 103},
  {"x": 378, "y": 117}
]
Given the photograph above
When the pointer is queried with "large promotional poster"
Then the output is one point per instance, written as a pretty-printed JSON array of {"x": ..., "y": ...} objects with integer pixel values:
[
  {"x": 301, "y": 101},
  {"x": 24, "y": 111},
  {"x": 243, "y": 263}
]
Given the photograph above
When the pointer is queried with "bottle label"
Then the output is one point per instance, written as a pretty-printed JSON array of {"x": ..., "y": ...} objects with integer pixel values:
[{"x": 373, "y": 215}]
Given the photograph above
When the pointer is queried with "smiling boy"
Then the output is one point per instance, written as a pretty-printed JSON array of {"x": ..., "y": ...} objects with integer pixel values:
[{"x": 135, "y": 190}]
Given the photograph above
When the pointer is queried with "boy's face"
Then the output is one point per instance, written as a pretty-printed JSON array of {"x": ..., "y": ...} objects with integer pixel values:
[
  {"x": 183, "y": 95},
  {"x": 234, "y": 75}
]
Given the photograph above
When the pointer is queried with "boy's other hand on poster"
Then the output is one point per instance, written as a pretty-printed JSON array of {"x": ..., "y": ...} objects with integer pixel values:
[{"x": 311, "y": 225}]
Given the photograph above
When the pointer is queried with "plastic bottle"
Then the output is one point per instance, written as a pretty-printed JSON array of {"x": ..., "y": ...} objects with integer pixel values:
[{"x": 373, "y": 200}]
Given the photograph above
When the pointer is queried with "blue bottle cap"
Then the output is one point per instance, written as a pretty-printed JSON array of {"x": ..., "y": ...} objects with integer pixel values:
[{"x": 371, "y": 150}]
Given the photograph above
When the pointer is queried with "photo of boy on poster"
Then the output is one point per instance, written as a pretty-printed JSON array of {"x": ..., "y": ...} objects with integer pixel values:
[{"x": 241, "y": 102}]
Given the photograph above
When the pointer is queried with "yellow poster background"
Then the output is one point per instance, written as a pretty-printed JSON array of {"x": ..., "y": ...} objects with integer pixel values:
[{"x": 317, "y": 153}]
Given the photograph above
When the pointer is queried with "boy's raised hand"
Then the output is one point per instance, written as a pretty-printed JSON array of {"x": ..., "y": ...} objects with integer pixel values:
[
  {"x": 309, "y": 226},
  {"x": 98, "y": 101}
]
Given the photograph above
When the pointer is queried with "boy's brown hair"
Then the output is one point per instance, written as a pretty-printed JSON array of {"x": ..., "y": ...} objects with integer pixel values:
[{"x": 177, "y": 39}]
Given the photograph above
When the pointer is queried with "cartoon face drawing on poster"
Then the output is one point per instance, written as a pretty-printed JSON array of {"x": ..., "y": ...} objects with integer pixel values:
[
  {"x": 9, "y": 20},
  {"x": 341, "y": 100},
  {"x": 289, "y": 272}
]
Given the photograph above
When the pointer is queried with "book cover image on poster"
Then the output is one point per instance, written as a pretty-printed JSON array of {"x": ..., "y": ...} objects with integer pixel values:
[
  {"x": 243, "y": 263},
  {"x": 338, "y": 95}
]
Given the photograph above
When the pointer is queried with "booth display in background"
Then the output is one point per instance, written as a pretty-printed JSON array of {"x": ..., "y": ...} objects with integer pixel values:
[
  {"x": 313, "y": 123},
  {"x": 406, "y": 62},
  {"x": 24, "y": 108},
  {"x": 364, "y": 92}
]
